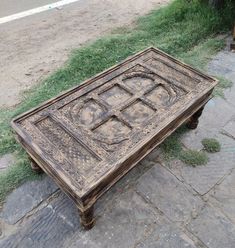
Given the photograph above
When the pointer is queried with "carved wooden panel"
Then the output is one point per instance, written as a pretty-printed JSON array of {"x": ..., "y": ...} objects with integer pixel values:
[{"x": 90, "y": 136}]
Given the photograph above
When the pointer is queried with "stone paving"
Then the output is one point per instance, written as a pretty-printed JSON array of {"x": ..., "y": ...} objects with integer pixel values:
[{"x": 158, "y": 204}]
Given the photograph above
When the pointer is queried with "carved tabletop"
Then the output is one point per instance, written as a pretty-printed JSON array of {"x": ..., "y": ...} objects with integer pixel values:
[{"x": 90, "y": 136}]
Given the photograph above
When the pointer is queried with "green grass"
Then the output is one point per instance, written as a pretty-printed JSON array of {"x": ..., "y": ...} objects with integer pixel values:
[
  {"x": 184, "y": 29},
  {"x": 222, "y": 85},
  {"x": 211, "y": 145},
  {"x": 194, "y": 158},
  {"x": 202, "y": 52},
  {"x": 172, "y": 146},
  {"x": 16, "y": 174},
  {"x": 173, "y": 149}
]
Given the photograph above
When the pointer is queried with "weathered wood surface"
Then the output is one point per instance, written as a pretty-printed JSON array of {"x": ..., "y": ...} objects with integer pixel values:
[{"x": 89, "y": 137}]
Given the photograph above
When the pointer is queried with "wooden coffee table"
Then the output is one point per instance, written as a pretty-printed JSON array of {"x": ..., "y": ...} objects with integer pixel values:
[{"x": 90, "y": 136}]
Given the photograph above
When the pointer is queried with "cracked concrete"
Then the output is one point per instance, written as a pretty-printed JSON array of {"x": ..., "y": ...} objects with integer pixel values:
[{"x": 157, "y": 204}]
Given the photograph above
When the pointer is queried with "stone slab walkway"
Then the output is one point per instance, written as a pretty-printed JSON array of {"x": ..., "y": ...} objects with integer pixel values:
[{"x": 157, "y": 204}]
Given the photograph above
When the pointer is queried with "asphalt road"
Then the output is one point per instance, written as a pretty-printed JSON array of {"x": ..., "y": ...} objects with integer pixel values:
[{"x": 10, "y": 7}]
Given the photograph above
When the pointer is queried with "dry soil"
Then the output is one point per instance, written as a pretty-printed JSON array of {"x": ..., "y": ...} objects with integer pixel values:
[{"x": 33, "y": 47}]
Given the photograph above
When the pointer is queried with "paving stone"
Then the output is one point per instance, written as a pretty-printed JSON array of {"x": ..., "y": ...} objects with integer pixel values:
[
  {"x": 203, "y": 178},
  {"x": 216, "y": 114},
  {"x": 6, "y": 160},
  {"x": 192, "y": 138},
  {"x": 47, "y": 228},
  {"x": 213, "y": 229},
  {"x": 168, "y": 194},
  {"x": 25, "y": 198},
  {"x": 229, "y": 128},
  {"x": 230, "y": 93},
  {"x": 223, "y": 64},
  {"x": 127, "y": 221},
  {"x": 124, "y": 184},
  {"x": 167, "y": 236},
  {"x": 223, "y": 196},
  {"x": 217, "y": 69},
  {"x": 154, "y": 155}
]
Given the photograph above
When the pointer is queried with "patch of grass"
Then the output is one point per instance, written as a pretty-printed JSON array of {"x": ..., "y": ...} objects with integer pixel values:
[
  {"x": 222, "y": 85},
  {"x": 122, "y": 30},
  {"x": 194, "y": 158},
  {"x": 211, "y": 145},
  {"x": 16, "y": 174},
  {"x": 203, "y": 53},
  {"x": 172, "y": 147},
  {"x": 7, "y": 141},
  {"x": 184, "y": 29}
]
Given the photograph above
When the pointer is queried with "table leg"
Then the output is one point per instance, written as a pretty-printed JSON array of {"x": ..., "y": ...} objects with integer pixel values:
[
  {"x": 35, "y": 166},
  {"x": 193, "y": 121},
  {"x": 87, "y": 218},
  {"x": 232, "y": 45}
]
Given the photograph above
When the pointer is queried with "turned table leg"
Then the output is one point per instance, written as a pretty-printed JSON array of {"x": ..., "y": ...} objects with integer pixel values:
[
  {"x": 35, "y": 166},
  {"x": 232, "y": 45},
  {"x": 87, "y": 218},
  {"x": 193, "y": 121}
]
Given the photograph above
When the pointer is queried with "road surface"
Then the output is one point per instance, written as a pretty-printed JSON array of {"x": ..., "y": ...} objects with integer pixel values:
[
  {"x": 33, "y": 47},
  {"x": 10, "y": 7}
]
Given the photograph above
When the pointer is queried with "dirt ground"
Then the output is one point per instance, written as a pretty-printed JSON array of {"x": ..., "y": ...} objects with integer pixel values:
[{"x": 33, "y": 47}]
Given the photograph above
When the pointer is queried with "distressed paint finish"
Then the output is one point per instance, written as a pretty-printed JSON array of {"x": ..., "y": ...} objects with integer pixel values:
[{"x": 89, "y": 137}]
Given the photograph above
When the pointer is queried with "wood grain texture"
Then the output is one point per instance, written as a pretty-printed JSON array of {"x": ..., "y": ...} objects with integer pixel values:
[{"x": 87, "y": 138}]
